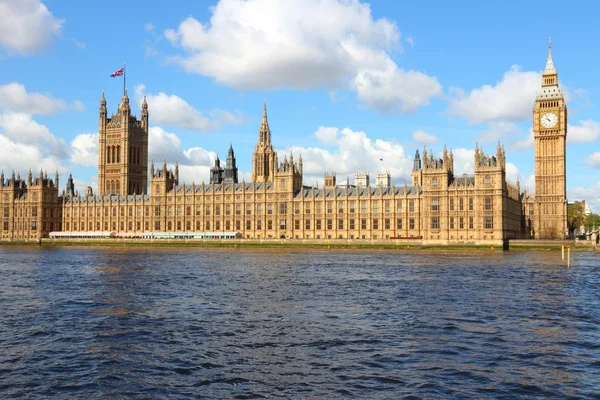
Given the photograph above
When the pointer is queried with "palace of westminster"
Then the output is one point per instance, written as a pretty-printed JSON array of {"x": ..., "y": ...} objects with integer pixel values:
[{"x": 438, "y": 207}]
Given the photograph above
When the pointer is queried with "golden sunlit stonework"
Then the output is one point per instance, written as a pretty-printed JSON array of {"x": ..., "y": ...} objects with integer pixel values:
[{"x": 438, "y": 207}]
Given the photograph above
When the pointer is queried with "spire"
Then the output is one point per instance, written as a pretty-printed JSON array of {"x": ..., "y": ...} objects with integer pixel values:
[
  {"x": 549, "y": 70},
  {"x": 264, "y": 135},
  {"x": 102, "y": 110},
  {"x": 125, "y": 103},
  {"x": 417, "y": 161}
]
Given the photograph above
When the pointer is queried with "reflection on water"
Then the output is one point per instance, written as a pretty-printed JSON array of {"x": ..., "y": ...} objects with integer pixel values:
[{"x": 83, "y": 323}]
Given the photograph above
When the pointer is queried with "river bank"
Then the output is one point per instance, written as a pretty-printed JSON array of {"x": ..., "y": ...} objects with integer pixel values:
[{"x": 328, "y": 244}]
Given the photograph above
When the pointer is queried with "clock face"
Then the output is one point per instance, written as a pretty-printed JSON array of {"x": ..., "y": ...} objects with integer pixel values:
[{"x": 549, "y": 120}]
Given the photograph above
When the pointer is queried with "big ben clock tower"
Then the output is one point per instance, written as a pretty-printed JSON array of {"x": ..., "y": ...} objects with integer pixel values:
[{"x": 550, "y": 137}]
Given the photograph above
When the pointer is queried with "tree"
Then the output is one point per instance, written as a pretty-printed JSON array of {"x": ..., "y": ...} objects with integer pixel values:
[
  {"x": 591, "y": 221},
  {"x": 575, "y": 215}
]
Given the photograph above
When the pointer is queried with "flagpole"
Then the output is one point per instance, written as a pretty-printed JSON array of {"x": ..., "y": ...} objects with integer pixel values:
[{"x": 124, "y": 78}]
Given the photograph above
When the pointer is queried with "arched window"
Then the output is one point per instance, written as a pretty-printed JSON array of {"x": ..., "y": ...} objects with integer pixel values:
[
  {"x": 282, "y": 185},
  {"x": 114, "y": 154},
  {"x": 118, "y": 154},
  {"x": 108, "y": 158},
  {"x": 434, "y": 182},
  {"x": 118, "y": 187},
  {"x": 487, "y": 180}
]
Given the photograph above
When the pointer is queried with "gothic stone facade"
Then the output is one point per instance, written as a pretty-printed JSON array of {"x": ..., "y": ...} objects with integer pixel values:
[{"x": 438, "y": 207}]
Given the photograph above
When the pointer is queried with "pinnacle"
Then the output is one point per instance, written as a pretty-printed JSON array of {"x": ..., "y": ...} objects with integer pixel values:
[{"x": 550, "y": 69}]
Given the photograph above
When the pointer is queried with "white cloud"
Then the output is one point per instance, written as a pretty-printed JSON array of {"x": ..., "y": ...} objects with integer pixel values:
[
  {"x": 175, "y": 111},
  {"x": 587, "y": 131},
  {"x": 591, "y": 194},
  {"x": 149, "y": 27},
  {"x": 425, "y": 138},
  {"x": 163, "y": 144},
  {"x": 394, "y": 89},
  {"x": 352, "y": 151},
  {"x": 78, "y": 106},
  {"x": 593, "y": 160},
  {"x": 303, "y": 44},
  {"x": 410, "y": 41},
  {"x": 194, "y": 163},
  {"x": 27, "y": 26},
  {"x": 464, "y": 161},
  {"x": 21, "y": 128},
  {"x": 26, "y": 144},
  {"x": 84, "y": 149},
  {"x": 14, "y": 97},
  {"x": 166, "y": 145},
  {"x": 510, "y": 100}
]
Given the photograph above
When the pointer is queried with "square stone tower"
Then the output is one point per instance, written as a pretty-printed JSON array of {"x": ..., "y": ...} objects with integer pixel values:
[
  {"x": 550, "y": 140},
  {"x": 123, "y": 150}
]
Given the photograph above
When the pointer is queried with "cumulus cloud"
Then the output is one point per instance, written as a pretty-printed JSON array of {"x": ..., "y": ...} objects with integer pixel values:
[
  {"x": 587, "y": 131},
  {"x": 24, "y": 144},
  {"x": 352, "y": 151},
  {"x": 425, "y": 138},
  {"x": 14, "y": 97},
  {"x": 21, "y": 128},
  {"x": 303, "y": 44},
  {"x": 175, "y": 111},
  {"x": 27, "y": 26},
  {"x": 591, "y": 194},
  {"x": 593, "y": 160},
  {"x": 84, "y": 149},
  {"x": 464, "y": 161},
  {"x": 509, "y": 100},
  {"x": 194, "y": 162}
]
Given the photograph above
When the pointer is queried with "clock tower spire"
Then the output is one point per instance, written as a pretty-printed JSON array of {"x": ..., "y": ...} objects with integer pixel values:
[{"x": 550, "y": 139}]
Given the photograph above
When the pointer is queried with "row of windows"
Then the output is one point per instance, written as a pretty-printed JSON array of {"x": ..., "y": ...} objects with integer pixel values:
[
  {"x": 26, "y": 211},
  {"x": 230, "y": 209},
  {"x": 28, "y": 225},
  {"x": 488, "y": 203},
  {"x": 461, "y": 222},
  {"x": 319, "y": 224}
]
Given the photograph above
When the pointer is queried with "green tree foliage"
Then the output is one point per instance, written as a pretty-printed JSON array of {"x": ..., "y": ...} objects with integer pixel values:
[
  {"x": 575, "y": 215},
  {"x": 591, "y": 221}
]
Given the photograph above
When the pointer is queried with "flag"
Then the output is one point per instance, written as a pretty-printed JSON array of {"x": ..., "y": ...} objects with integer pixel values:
[{"x": 118, "y": 72}]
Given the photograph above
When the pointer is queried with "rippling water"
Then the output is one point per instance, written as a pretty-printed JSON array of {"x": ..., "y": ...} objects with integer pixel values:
[{"x": 108, "y": 323}]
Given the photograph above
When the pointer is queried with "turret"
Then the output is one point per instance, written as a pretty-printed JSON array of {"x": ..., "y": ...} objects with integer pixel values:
[
  {"x": 70, "y": 191},
  {"x": 124, "y": 108},
  {"x": 417, "y": 161},
  {"x": 102, "y": 110},
  {"x": 176, "y": 173},
  {"x": 144, "y": 114},
  {"x": 216, "y": 172},
  {"x": 231, "y": 171}
]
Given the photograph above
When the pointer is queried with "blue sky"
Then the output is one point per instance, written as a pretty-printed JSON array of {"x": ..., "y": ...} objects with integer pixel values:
[{"x": 347, "y": 83}]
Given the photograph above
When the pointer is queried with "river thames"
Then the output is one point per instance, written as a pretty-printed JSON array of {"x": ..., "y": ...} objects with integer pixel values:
[{"x": 187, "y": 323}]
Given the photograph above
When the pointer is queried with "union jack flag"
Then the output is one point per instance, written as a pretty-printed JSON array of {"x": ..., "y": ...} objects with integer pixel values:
[{"x": 118, "y": 72}]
